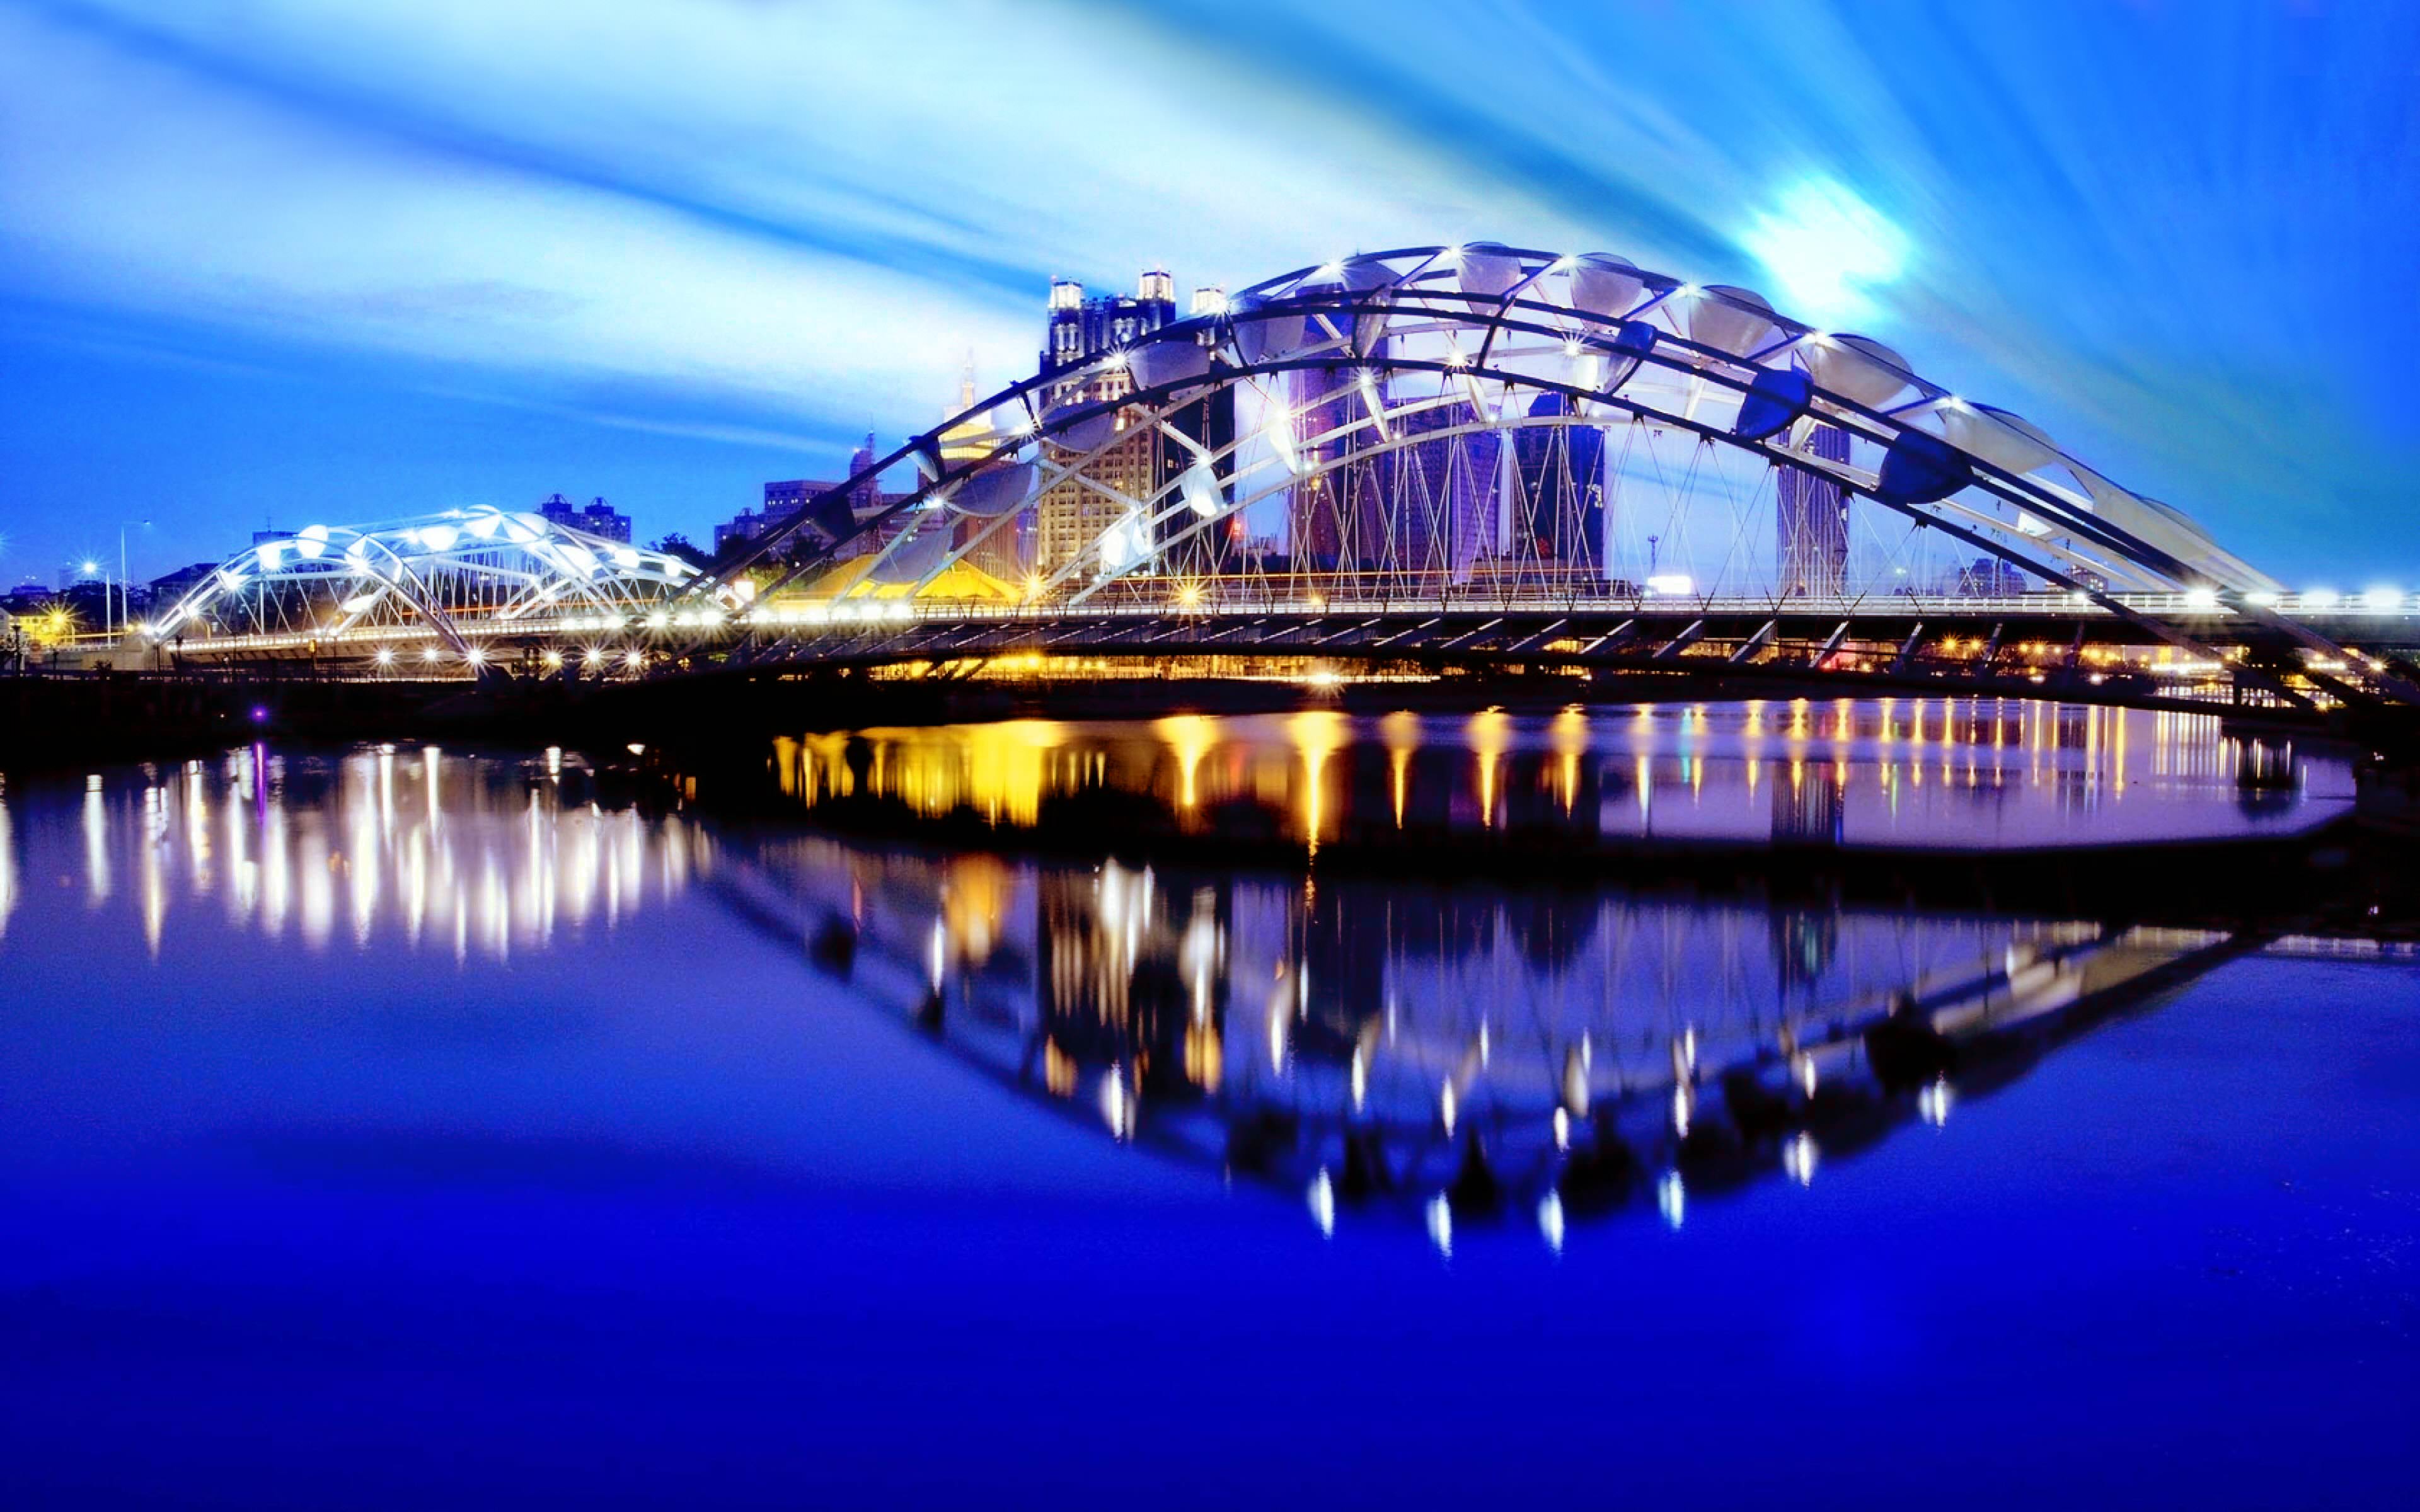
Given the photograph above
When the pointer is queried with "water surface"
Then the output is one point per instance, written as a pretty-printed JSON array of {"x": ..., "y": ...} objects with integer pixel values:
[{"x": 464, "y": 1118}]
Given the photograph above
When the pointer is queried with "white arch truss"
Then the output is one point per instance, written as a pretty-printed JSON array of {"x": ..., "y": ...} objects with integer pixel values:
[
  {"x": 1490, "y": 425},
  {"x": 449, "y": 577}
]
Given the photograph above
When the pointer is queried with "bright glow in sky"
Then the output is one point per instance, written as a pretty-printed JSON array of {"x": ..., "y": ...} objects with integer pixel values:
[
  {"x": 1828, "y": 251},
  {"x": 279, "y": 259}
]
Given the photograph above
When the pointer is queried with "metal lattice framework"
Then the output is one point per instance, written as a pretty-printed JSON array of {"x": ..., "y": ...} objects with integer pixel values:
[
  {"x": 450, "y": 579},
  {"x": 1484, "y": 424}
]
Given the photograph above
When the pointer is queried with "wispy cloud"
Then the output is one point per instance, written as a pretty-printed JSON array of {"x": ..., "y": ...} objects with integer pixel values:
[{"x": 2168, "y": 234}]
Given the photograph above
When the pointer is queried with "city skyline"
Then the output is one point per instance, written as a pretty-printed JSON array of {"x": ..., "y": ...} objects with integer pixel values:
[{"x": 345, "y": 269}]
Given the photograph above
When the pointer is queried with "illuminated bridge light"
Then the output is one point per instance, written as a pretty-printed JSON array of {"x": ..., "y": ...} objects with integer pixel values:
[{"x": 1359, "y": 390}]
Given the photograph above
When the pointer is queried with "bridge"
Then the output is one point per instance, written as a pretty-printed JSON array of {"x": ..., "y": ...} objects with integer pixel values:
[{"x": 1424, "y": 462}]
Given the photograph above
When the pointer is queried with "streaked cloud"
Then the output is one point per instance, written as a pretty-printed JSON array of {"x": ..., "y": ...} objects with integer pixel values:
[{"x": 2162, "y": 232}]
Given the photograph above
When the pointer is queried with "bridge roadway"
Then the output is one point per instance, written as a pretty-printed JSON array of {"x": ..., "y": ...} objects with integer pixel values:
[
  {"x": 2036, "y": 645},
  {"x": 2156, "y": 651}
]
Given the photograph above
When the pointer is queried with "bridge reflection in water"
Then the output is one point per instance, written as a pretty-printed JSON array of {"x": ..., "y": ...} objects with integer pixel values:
[
  {"x": 1471, "y": 1050},
  {"x": 1442, "y": 1052}
]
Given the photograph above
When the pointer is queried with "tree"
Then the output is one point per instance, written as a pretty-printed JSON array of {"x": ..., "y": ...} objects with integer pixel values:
[{"x": 677, "y": 545}]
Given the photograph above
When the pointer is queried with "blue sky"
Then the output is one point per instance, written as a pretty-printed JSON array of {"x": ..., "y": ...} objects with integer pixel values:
[{"x": 280, "y": 260}]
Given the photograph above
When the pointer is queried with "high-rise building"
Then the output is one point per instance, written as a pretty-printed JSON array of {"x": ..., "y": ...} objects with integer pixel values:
[
  {"x": 866, "y": 500},
  {"x": 1139, "y": 475},
  {"x": 1321, "y": 513},
  {"x": 1440, "y": 500},
  {"x": 598, "y": 517},
  {"x": 1812, "y": 539},
  {"x": 1557, "y": 522}
]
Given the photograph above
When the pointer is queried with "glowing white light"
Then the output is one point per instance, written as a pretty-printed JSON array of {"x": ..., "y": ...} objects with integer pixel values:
[
  {"x": 1670, "y": 584},
  {"x": 428, "y": 653},
  {"x": 1440, "y": 1218},
  {"x": 439, "y": 538},
  {"x": 386, "y": 656},
  {"x": 1934, "y": 1102},
  {"x": 2259, "y": 598},
  {"x": 1550, "y": 1221},
  {"x": 1445, "y": 1107},
  {"x": 1798, "y": 1158},
  {"x": 2201, "y": 598},
  {"x": 658, "y": 620},
  {"x": 1322, "y": 1196},
  {"x": 2383, "y": 598},
  {"x": 1829, "y": 249},
  {"x": 1671, "y": 1199}
]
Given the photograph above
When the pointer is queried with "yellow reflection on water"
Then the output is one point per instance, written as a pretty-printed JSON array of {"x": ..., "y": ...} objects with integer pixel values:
[
  {"x": 1315, "y": 734},
  {"x": 1490, "y": 732},
  {"x": 1401, "y": 732},
  {"x": 1190, "y": 737},
  {"x": 1569, "y": 734}
]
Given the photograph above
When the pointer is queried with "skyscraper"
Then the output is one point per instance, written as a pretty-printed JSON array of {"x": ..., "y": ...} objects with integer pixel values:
[
  {"x": 1557, "y": 522},
  {"x": 1812, "y": 540},
  {"x": 599, "y": 518},
  {"x": 1438, "y": 515},
  {"x": 1138, "y": 476}
]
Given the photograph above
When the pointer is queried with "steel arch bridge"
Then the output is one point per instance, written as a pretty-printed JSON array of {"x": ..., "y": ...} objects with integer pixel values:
[
  {"x": 437, "y": 589},
  {"x": 1443, "y": 453},
  {"x": 1389, "y": 450}
]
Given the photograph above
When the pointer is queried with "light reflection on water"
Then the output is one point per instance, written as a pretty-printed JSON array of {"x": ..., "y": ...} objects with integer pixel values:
[
  {"x": 1898, "y": 773},
  {"x": 376, "y": 848},
  {"x": 1453, "y": 1049}
]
